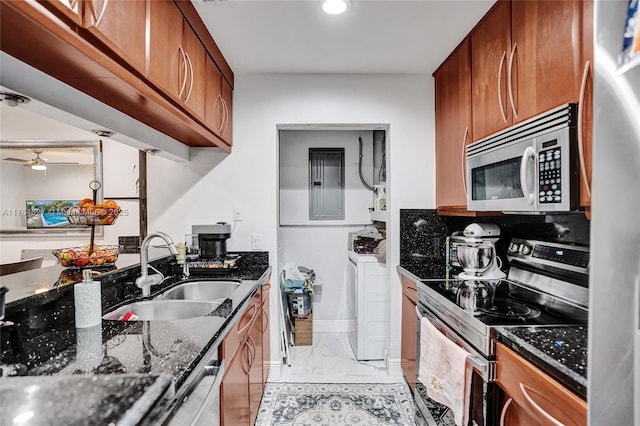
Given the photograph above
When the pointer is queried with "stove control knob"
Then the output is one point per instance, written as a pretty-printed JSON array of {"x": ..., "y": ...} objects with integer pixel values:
[
  {"x": 514, "y": 247},
  {"x": 525, "y": 249}
]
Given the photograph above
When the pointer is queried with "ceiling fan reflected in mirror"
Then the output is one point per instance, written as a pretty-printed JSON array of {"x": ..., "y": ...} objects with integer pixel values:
[{"x": 38, "y": 163}]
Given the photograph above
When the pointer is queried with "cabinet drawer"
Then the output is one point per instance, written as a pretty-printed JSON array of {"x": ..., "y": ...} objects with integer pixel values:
[
  {"x": 410, "y": 289},
  {"x": 536, "y": 392},
  {"x": 234, "y": 337}
]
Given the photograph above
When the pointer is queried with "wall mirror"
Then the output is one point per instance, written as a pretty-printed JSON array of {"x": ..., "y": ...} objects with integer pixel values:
[{"x": 38, "y": 179}]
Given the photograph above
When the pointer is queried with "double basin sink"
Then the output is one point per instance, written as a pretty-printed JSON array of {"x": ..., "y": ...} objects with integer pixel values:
[{"x": 186, "y": 300}]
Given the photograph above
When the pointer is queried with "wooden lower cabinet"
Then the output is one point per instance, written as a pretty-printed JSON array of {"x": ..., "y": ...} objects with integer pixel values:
[
  {"x": 246, "y": 351},
  {"x": 533, "y": 398},
  {"x": 409, "y": 333},
  {"x": 266, "y": 337}
]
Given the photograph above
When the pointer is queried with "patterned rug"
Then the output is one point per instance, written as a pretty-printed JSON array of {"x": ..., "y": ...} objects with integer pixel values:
[{"x": 336, "y": 404}]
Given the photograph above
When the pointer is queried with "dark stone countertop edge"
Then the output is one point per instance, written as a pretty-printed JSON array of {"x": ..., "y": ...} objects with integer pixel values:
[{"x": 554, "y": 368}]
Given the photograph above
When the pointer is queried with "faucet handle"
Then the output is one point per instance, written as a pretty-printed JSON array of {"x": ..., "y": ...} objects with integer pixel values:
[{"x": 158, "y": 273}]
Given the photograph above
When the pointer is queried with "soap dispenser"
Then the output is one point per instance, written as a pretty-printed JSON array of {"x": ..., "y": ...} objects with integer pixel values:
[{"x": 87, "y": 301}]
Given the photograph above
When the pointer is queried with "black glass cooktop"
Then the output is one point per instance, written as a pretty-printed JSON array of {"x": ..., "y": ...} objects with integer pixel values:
[{"x": 508, "y": 303}]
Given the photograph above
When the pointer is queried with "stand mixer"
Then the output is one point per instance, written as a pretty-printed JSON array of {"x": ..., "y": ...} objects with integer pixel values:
[
  {"x": 478, "y": 256},
  {"x": 481, "y": 266}
]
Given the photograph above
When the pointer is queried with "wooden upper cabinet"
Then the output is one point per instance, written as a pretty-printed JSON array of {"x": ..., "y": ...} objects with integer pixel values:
[
  {"x": 167, "y": 67},
  {"x": 119, "y": 25},
  {"x": 525, "y": 60},
  {"x": 193, "y": 97},
  {"x": 214, "y": 106},
  {"x": 68, "y": 10},
  {"x": 585, "y": 111},
  {"x": 490, "y": 51},
  {"x": 544, "y": 62},
  {"x": 453, "y": 127},
  {"x": 227, "y": 98}
]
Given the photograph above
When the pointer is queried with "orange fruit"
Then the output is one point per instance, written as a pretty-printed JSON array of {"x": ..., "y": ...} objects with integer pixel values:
[
  {"x": 85, "y": 202},
  {"x": 110, "y": 204}
]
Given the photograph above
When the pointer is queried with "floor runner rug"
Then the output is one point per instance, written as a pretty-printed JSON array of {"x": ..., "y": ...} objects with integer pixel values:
[{"x": 336, "y": 404}]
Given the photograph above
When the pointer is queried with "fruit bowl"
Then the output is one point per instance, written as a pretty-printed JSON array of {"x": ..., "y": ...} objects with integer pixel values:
[
  {"x": 79, "y": 257},
  {"x": 87, "y": 213}
]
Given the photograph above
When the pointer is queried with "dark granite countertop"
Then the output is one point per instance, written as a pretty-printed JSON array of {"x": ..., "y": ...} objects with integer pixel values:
[
  {"x": 561, "y": 352},
  {"x": 173, "y": 349},
  {"x": 435, "y": 270}
]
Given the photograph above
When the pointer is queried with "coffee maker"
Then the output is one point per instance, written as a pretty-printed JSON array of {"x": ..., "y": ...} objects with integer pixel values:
[{"x": 212, "y": 240}]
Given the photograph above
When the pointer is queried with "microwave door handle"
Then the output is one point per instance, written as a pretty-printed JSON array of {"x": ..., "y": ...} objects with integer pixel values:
[{"x": 528, "y": 153}]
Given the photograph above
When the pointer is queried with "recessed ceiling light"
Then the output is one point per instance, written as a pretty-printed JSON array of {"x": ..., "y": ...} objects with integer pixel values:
[
  {"x": 103, "y": 133},
  {"x": 13, "y": 99},
  {"x": 334, "y": 7}
]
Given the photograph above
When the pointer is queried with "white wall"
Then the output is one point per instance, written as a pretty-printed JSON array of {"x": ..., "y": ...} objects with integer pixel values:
[
  {"x": 294, "y": 174},
  {"x": 206, "y": 189}
]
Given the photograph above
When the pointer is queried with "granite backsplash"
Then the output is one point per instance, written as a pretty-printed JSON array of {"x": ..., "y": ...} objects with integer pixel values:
[{"x": 423, "y": 234}]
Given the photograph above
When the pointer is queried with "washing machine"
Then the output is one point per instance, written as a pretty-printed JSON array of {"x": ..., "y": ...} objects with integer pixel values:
[{"x": 368, "y": 301}]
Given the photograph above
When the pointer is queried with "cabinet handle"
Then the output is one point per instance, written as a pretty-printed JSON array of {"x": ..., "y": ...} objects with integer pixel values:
[
  {"x": 266, "y": 322},
  {"x": 513, "y": 104},
  {"x": 225, "y": 118},
  {"x": 546, "y": 415},
  {"x": 504, "y": 411},
  {"x": 252, "y": 351},
  {"x": 73, "y": 4},
  {"x": 502, "y": 60},
  {"x": 245, "y": 358},
  {"x": 188, "y": 60},
  {"x": 583, "y": 89},
  {"x": 184, "y": 72},
  {"x": 96, "y": 19},
  {"x": 219, "y": 99},
  {"x": 253, "y": 309},
  {"x": 464, "y": 160}
]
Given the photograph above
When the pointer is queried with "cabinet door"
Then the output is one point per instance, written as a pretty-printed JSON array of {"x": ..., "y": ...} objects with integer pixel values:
[
  {"x": 544, "y": 62},
  {"x": 490, "y": 50},
  {"x": 409, "y": 332},
  {"x": 167, "y": 67},
  {"x": 194, "y": 91},
  {"x": 234, "y": 389},
  {"x": 227, "y": 98},
  {"x": 536, "y": 392},
  {"x": 585, "y": 110},
  {"x": 266, "y": 337},
  {"x": 119, "y": 25},
  {"x": 68, "y": 10},
  {"x": 254, "y": 346},
  {"x": 453, "y": 127},
  {"x": 514, "y": 415},
  {"x": 214, "y": 107}
]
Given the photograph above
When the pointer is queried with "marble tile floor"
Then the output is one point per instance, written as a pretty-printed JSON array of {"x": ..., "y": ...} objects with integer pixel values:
[{"x": 331, "y": 360}]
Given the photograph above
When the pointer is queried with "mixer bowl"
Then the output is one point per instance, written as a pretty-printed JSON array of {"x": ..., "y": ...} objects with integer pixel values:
[{"x": 476, "y": 259}]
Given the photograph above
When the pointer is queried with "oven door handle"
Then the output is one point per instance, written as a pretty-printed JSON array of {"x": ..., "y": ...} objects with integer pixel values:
[{"x": 475, "y": 362}]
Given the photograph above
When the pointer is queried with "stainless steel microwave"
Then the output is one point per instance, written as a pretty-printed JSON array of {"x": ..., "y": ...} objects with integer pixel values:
[{"x": 529, "y": 167}]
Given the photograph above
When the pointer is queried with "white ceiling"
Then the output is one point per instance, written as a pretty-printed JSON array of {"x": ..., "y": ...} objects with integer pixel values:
[
  {"x": 373, "y": 36},
  {"x": 295, "y": 36}
]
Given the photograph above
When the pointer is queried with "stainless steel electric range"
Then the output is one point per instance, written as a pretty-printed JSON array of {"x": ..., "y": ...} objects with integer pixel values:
[{"x": 547, "y": 285}]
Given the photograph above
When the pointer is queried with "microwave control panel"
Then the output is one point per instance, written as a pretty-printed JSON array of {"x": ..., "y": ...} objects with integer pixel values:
[{"x": 550, "y": 172}]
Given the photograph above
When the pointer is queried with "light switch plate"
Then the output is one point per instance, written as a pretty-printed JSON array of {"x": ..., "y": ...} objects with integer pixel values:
[{"x": 256, "y": 241}]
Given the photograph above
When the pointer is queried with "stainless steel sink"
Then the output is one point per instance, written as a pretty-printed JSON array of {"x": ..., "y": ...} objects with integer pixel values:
[
  {"x": 163, "y": 310},
  {"x": 202, "y": 290}
]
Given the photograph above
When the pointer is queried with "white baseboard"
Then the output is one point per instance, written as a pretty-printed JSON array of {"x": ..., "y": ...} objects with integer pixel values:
[
  {"x": 394, "y": 369},
  {"x": 333, "y": 326}
]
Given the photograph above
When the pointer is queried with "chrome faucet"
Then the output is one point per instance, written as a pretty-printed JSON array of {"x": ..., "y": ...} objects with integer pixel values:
[{"x": 145, "y": 281}]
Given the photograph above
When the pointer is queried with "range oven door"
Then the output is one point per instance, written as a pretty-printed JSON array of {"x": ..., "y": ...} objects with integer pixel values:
[{"x": 483, "y": 404}]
